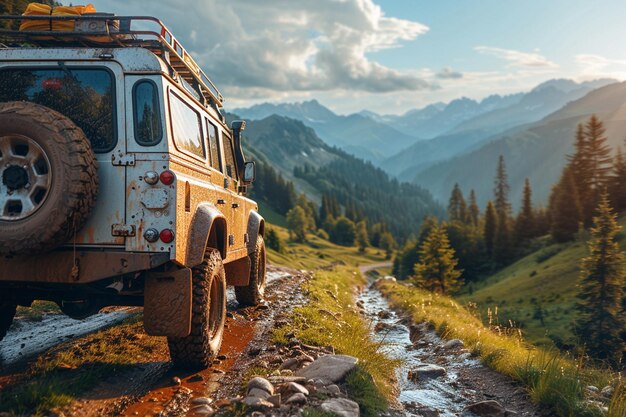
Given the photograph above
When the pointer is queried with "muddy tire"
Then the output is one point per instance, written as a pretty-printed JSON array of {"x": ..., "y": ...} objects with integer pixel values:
[
  {"x": 7, "y": 312},
  {"x": 48, "y": 178},
  {"x": 252, "y": 294},
  {"x": 208, "y": 315}
]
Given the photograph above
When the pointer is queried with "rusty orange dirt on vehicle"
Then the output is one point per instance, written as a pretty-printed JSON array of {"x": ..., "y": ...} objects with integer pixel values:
[{"x": 121, "y": 182}]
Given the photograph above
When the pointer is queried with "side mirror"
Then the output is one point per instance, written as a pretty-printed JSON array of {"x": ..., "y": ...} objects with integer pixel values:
[{"x": 249, "y": 172}]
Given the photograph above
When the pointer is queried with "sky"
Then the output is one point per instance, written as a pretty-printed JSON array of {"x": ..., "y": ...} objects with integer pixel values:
[{"x": 390, "y": 56}]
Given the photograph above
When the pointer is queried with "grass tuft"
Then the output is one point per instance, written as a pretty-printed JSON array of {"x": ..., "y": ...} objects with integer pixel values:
[{"x": 362, "y": 389}]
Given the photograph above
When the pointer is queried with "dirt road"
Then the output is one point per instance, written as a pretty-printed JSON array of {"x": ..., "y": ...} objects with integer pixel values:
[{"x": 152, "y": 386}]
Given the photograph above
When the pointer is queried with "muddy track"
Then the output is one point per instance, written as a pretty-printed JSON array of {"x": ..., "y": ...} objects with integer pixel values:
[
  {"x": 26, "y": 339},
  {"x": 154, "y": 387}
]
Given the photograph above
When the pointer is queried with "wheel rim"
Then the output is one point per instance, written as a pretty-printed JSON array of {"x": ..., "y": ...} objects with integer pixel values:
[
  {"x": 25, "y": 177},
  {"x": 260, "y": 282},
  {"x": 215, "y": 306}
]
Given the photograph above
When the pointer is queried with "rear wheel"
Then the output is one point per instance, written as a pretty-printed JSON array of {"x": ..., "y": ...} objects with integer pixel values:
[
  {"x": 252, "y": 294},
  {"x": 7, "y": 312},
  {"x": 208, "y": 315}
]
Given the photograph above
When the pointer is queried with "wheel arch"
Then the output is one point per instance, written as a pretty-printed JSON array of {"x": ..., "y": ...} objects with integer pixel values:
[
  {"x": 208, "y": 228},
  {"x": 256, "y": 228}
]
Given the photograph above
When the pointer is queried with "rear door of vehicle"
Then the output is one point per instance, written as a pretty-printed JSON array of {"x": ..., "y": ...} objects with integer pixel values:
[{"x": 91, "y": 95}]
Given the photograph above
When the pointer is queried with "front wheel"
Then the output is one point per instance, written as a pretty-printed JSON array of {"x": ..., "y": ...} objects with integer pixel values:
[
  {"x": 208, "y": 315},
  {"x": 7, "y": 312},
  {"x": 252, "y": 294}
]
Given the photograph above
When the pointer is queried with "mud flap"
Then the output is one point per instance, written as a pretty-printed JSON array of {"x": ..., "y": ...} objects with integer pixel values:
[
  {"x": 167, "y": 303},
  {"x": 238, "y": 272}
]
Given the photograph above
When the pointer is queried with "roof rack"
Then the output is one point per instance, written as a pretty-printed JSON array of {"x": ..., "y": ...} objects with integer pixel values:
[{"x": 108, "y": 30}]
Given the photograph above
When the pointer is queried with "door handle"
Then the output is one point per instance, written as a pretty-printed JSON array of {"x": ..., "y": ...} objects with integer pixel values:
[
  {"x": 220, "y": 201},
  {"x": 235, "y": 205}
]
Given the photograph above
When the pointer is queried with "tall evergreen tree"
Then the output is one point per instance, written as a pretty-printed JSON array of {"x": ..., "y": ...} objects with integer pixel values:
[
  {"x": 501, "y": 190},
  {"x": 473, "y": 212},
  {"x": 489, "y": 231},
  {"x": 579, "y": 164},
  {"x": 457, "y": 208},
  {"x": 599, "y": 158},
  {"x": 502, "y": 248},
  {"x": 525, "y": 223},
  {"x": 436, "y": 270},
  {"x": 617, "y": 186},
  {"x": 599, "y": 322},
  {"x": 565, "y": 213}
]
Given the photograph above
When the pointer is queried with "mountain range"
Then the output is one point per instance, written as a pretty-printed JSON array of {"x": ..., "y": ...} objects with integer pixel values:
[
  {"x": 441, "y": 144},
  {"x": 288, "y": 146},
  {"x": 537, "y": 151}
]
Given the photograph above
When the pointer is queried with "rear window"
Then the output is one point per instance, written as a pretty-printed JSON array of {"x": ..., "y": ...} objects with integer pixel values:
[
  {"x": 85, "y": 96},
  {"x": 186, "y": 127},
  {"x": 146, "y": 111}
]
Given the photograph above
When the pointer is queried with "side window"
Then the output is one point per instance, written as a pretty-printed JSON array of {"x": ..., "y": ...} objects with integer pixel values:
[
  {"x": 148, "y": 130},
  {"x": 186, "y": 127},
  {"x": 214, "y": 147},
  {"x": 229, "y": 157}
]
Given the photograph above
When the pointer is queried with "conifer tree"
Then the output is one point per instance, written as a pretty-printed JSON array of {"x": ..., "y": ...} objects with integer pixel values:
[
  {"x": 599, "y": 159},
  {"x": 618, "y": 182},
  {"x": 502, "y": 247},
  {"x": 501, "y": 190},
  {"x": 473, "y": 212},
  {"x": 436, "y": 270},
  {"x": 525, "y": 223},
  {"x": 580, "y": 165},
  {"x": 565, "y": 213},
  {"x": 489, "y": 231},
  {"x": 599, "y": 324},
  {"x": 457, "y": 208}
]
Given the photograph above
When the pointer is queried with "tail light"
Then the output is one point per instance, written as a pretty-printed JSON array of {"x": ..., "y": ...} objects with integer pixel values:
[
  {"x": 166, "y": 235},
  {"x": 167, "y": 177}
]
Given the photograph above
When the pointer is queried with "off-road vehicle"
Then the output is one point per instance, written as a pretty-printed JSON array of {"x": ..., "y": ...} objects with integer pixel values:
[{"x": 120, "y": 182}]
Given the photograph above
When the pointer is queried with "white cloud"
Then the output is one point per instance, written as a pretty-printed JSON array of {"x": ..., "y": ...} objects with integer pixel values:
[
  {"x": 592, "y": 65},
  {"x": 252, "y": 47},
  {"x": 518, "y": 58}
]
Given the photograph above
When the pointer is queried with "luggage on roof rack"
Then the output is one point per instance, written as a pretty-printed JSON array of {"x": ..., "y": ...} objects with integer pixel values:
[{"x": 103, "y": 29}]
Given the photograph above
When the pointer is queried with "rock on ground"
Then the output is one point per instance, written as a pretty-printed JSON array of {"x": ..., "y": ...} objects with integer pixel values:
[
  {"x": 333, "y": 368},
  {"x": 487, "y": 409},
  {"x": 342, "y": 407}
]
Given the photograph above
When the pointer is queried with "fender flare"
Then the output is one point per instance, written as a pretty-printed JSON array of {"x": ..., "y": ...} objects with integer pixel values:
[
  {"x": 256, "y": 227},
  {"x": 208, "y": 227}
]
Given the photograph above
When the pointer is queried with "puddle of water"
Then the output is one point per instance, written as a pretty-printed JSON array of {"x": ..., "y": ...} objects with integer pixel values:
[
  {"x": 26, "y": 339},
  {"x": 437, "y": 393}
]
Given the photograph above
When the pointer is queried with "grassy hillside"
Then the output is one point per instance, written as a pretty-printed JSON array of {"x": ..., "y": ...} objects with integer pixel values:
[
  {"x": 318, "y": 253},
  {"x": 541, "y": 286}
]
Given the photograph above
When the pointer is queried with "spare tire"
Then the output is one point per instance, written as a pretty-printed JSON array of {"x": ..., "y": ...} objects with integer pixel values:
[{"x": 48, "y": 178}]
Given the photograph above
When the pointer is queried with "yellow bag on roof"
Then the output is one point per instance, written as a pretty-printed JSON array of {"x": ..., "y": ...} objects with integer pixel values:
[{"x": 38, "y": 9}]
